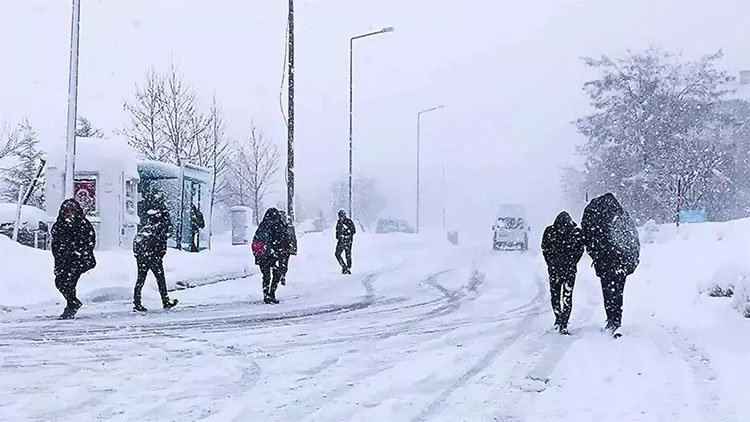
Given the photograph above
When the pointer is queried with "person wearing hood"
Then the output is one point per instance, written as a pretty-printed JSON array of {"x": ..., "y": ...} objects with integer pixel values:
[
  {"x": 73, "y": 242},
  {"x": 150, "y": 247},
  {"x": 268, "y": 244},
  {"x": 288, "y": 247},
  {"x": 562, "y": 247},
  {"x": 345, "y": 232},
  {"x": 612, "y": 242}
]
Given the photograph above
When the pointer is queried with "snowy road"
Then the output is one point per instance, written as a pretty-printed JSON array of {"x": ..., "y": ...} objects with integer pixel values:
[{"x": 458, "y": 337}]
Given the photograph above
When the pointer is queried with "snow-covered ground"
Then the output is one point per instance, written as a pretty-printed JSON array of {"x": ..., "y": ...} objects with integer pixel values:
[{"x": 422, "y": 331}]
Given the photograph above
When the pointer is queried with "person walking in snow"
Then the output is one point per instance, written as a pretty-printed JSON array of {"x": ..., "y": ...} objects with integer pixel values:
[
  {"x": 73, "y": 242},
  {"x": 268, "y": 242},
  {"x": 150, "y": 247},
  {"x": 345, "y": 232},
  {"x": 612, "y": 242},
  {"x": 197, "y": 223},
  {"x": 288, "y": 247},
  {"x": 562, "y": 247}
]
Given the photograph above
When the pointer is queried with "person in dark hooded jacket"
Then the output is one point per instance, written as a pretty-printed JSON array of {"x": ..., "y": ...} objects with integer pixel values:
[
  {"x": 288, "y": 247},
  {"x": 562, "y": 247},
  {"x": 612, "y": 242},
  {"x": 73, "y": 242},
  {"x": 268, "y": 244},
  {"x": 345, "y": 231},
  {"x": 150, "y": 247}
]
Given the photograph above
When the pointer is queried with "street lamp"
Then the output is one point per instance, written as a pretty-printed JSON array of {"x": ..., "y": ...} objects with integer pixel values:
[
  {"x": 419, "y": 124},
  {"x": 351, "y": 103}
]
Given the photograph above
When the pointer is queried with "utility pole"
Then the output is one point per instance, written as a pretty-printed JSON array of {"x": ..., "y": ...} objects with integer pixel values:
[
  {"x": 290, "y": 124},
  {"x": 70, "y": 140}
]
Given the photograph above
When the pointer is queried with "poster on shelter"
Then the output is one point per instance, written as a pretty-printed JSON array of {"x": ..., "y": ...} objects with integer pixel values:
[{"x": 85, "y": 194}]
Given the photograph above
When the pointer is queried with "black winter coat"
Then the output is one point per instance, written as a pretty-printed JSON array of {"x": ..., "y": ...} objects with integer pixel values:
[
  {"x": 272, "y": 233},
  {"x": 562, "y": 243},
  {"x": 154, "y": 230},
  {"x": 611, "y": 237},
  {"x": 345, "y": 230},
  {"x": 73, "y": 240}
]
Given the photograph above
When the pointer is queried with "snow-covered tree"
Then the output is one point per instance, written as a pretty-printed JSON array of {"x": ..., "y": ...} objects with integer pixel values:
[
  {"x": 21, "y": 165},
  {"x": 656, "y": 136},
  {"x": 84, "y": 129}
]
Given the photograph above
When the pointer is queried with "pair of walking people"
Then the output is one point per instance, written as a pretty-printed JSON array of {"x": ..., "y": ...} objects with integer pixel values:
[
  {"x": 609, "y": 235},
  {"x": 273, "y": 244},
  {"x": 74, "y": 240}
]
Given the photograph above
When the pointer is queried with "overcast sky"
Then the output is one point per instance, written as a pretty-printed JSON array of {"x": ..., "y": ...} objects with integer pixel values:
[{"x": 508, "y": 72}]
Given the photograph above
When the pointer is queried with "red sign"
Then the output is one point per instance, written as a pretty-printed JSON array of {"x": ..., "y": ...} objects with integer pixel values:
[{"x": 85, "y": 194}]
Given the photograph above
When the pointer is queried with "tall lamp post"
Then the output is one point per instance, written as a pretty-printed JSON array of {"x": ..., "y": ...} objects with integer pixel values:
[
  {"x": 419, "y": 125},
  {"x": 70, "y": 140},
  {"x": 351, "y": 103}
]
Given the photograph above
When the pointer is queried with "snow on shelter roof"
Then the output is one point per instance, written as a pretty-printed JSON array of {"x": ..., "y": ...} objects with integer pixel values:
[
  {"x": 160, "y": 170},
  {"x": 98, "y": 155},
  {"x": 30, "y": 216}
]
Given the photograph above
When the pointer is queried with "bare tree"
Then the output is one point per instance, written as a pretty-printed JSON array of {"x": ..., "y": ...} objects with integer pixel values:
[
  {"x": 84, "y": 129},
  {"x": 181, "y": 123},
  {"x": 368, "y": 201},
  {"x": 144, "y": 133},
  {"x": 218, "y": 152},
  {"x": 254, "y": 168}
]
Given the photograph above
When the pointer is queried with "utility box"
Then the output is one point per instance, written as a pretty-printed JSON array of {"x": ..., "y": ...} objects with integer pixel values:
[
  {"x": 241, "y": 225},
  {"x": 453, "y": 237}
]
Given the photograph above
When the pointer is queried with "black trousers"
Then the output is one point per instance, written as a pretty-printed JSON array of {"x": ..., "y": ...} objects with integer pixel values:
[
  {"x": 272, "y": 274},
  {"x": 156, "y": 266},
  {"x": 67, "y": 282},
  {"x": 561, "y": 283},
  {"x": 283, "y": 265},
  {"x": 613, "y": 289},
  {"x": 344, "y": 247}
]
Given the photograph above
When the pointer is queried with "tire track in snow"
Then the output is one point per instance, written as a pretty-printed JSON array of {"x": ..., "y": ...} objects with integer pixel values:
[
  {"x": 703, "y": 373},
  {"x": 507, "y": 341},
  {"x": 451, "y": 303}
]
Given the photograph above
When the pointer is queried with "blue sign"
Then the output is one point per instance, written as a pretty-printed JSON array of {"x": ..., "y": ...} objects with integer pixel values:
[{"x": 693, "y": 216}]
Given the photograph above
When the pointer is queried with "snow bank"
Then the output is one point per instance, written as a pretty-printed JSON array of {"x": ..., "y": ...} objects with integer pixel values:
[
  {"x": 709, "y": 259},
  {"x": 28, "y": 276},
  {"x": 28, "y": 273}
]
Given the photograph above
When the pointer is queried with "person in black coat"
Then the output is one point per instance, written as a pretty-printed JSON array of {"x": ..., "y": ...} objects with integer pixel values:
[
  {"x": 288, "y": 247},
  {"x": 150, "y": 247},
  {"x": 73, "y": 242},
  {"x": 268, "y": 243},
  {"x": 345, "y": 232},
  {"x": 562, "y": 247},
  {"x": 612, "y": 242},
  {"x": 197, "y": 223}
]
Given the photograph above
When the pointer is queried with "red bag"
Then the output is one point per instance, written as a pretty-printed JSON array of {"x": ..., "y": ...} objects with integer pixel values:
[{"x": 259, "y": 248}]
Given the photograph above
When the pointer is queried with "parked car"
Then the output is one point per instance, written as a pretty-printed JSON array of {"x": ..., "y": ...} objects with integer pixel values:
[
  {"x": 511, "y": 229},
  {"x": 386, "y": 225}
]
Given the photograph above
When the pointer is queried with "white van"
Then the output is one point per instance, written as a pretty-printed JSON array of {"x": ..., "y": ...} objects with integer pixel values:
[{"x": 511, "y": 230}]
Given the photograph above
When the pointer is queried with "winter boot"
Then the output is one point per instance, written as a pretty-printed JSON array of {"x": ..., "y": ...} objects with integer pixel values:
[
  {"x": 68, "y": 313},
  {"x": 169, "y": 304},
  {"x": 615, "y": 330},
  {"x": 272, "y": 298},
  {"x": 564, "y": 330},
  {"x": 139, "y": 308},
  {"x": 344, "y": 270}
]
